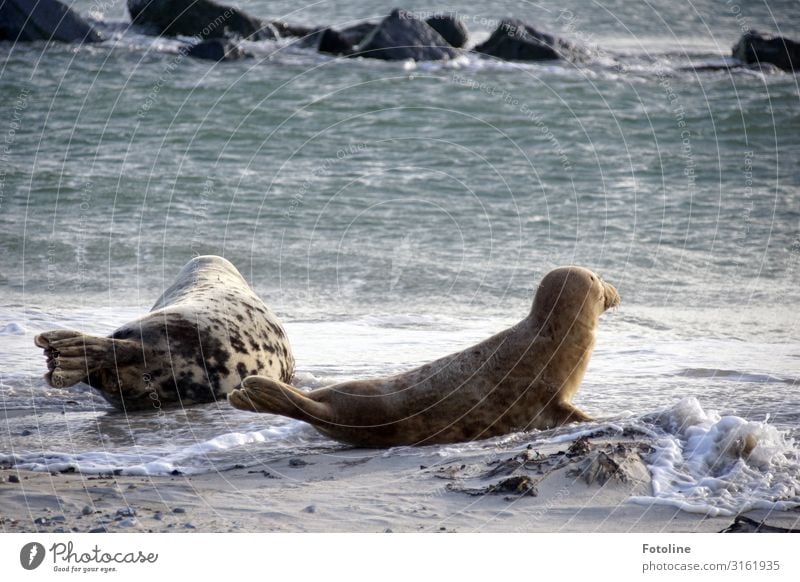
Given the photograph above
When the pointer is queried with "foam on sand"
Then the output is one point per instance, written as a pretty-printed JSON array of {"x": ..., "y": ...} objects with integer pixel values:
[{"x": 721, "y": 465}]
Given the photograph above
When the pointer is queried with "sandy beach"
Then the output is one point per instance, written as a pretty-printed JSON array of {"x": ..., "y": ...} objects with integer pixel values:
[{"x": 581, "y": 485}]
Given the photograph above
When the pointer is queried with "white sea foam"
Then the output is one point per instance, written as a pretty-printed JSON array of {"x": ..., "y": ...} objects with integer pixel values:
[
  {"x": 12, "y": 328},
  {"x": 721, "y": 465},
  {"x": 200, "y": 457}
]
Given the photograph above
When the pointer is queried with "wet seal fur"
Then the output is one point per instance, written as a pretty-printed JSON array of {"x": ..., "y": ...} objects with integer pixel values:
[
  {"x": 519, "y": 379},
  {"x": 206, "y": 333}
]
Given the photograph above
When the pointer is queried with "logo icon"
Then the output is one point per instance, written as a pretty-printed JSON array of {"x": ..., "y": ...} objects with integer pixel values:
[{"x": 31, "y": 555}]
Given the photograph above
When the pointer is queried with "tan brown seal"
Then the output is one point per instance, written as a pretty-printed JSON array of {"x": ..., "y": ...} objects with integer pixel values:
[{"x": 521, "y": 378}]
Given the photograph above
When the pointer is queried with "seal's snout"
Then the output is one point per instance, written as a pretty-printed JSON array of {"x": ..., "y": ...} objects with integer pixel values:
[{"x": 612, "y": 296}]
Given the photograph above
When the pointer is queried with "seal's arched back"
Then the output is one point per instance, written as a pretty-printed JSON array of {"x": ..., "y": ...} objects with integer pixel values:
[
  {"x": 521, "y": 378},
  {"x": 206, "y": 332}
]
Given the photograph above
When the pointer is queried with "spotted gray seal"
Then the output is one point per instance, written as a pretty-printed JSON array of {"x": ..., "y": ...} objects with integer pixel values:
[
  {"x": 206, "y": 332},
  {"x": 521, "y": 378}
]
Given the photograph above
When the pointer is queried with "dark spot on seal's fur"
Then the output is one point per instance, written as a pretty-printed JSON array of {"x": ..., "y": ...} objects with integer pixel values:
[
  {"x": 241, "y": 369},
  {"x": 191, "y": 342},
  {"x": 238, "y": 345},
  {"x": 189, "y": 390}
]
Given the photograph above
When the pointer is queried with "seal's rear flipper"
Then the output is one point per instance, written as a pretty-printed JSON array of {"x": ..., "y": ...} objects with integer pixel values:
[
  {"x": 564, "y": 413},
  {"x": 261, "y": 394},
  {"x": 72, "y": 355}
]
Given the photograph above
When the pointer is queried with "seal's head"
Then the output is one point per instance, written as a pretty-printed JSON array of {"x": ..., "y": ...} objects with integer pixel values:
[
  {"x": 200, "y": 277},
  {"x": 211, "y": 268},
  {"x": 570, "y": 297}
]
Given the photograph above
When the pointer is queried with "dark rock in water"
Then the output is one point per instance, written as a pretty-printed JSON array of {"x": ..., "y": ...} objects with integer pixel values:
[
  {"x": 514, "y": 40},
  {"x": 450, "y": 28},
  {"x": 358, "y": 32},
  {"x": 744, "y": 524},
  {"x": 13, "y": 479},
  {"x": 753, "y": 48},
  {"x": 216, "y": 49},
  {"x": 710, "y": 68},
  {"x": 311, "y": 40},
  {"x": 200, "y": 18},
  {"x": 343, "y": 42},
  {"x": 333, "y": 42},
  {"x": 307, "y": 37},
  {"x": 286, "y": 30},
  {"x": 400, "y": 36},
  {"x": 27, "y": 20},
  {"x": 98, "y": 530}
]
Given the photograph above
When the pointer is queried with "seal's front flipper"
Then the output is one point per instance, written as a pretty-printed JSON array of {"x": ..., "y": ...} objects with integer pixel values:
[
  {"x": 565, "y": 413},
  {"x": 261, "y": 394},
  {"x": 72, "y": 355}
]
